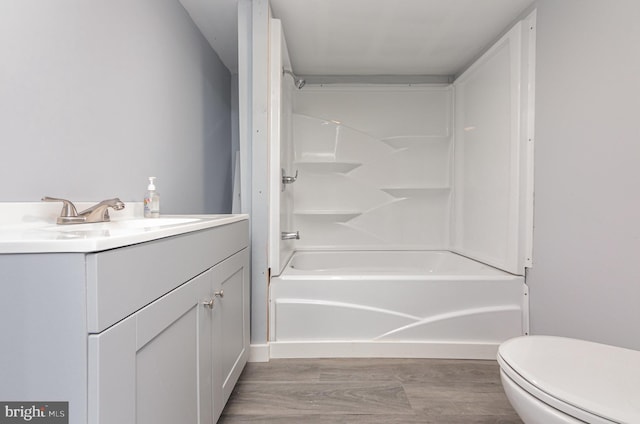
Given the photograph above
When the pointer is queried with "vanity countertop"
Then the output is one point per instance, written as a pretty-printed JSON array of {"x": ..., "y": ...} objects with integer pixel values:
[{"x": 32, "y": 228}]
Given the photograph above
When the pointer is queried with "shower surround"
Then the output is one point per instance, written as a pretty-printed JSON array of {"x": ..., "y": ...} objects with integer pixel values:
[
  {"x": 414, "y": 209},
  {"x": 374, "y": 166}
]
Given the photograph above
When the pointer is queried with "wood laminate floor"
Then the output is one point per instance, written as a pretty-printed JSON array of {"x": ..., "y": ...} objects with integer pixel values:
[{"x": 372, "y": 391}]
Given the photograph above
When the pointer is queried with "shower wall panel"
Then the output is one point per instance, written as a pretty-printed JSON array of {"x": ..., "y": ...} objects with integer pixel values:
[
  {"x": 286, "y": 168},
  {"x": 280, "y": 149},
  {"x": 374, "y": 166},
  {"x": 493, "y": 178}
]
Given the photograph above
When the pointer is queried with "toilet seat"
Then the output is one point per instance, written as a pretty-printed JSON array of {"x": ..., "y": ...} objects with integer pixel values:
[
  {"x": 532, "y": 410},
  {"x": 592, "y": 382}
]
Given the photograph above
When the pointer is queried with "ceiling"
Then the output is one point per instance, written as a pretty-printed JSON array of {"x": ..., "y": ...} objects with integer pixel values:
[{"x": 369, "y": 37}]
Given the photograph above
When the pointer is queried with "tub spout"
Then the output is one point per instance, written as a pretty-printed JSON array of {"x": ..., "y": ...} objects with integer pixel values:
[{"x": 290, "y": 236}]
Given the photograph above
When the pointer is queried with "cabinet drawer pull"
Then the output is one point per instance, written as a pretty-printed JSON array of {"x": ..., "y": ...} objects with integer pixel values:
[
  {"x": 219, "y": 294},
  {"x": 209, "y": 303}
]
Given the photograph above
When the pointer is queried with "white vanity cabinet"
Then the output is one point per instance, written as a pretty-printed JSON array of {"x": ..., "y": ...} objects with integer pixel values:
[
  {"x": 156, "y": 332},
  {"x": 177, "y": 359}
]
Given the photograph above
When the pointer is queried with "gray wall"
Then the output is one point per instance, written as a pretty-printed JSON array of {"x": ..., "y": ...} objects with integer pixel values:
[
  {"x": 585, "y": 280},
  {"x": 95, "y": 96}
]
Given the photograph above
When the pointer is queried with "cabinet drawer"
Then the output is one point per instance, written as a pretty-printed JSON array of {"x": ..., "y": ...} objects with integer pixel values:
[{"x": 121, "y": 281}]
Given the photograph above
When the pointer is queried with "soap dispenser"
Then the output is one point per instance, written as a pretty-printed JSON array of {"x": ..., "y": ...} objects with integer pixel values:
[{"x": 151, "y": 200}]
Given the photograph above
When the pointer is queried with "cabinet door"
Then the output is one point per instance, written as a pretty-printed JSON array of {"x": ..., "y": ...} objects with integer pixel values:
[
  {"x": 155, "y": 366},
  {"x": 231, "y": 324}
]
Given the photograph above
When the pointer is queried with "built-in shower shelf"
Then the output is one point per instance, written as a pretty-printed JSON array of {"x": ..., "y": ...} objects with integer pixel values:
[
  {"x": 329, "y": 215},
  {"x": 408, "y": 142},
  {"x": 414, "y": 191},
  {"x": 329, "y": 167}
]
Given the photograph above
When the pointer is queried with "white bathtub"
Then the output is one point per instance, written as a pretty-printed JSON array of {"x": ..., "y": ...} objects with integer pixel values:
[{"x": 393, "y": 304}]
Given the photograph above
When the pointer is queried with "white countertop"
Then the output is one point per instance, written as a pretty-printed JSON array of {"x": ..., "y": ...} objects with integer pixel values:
[{"x": 32, "y": 228}]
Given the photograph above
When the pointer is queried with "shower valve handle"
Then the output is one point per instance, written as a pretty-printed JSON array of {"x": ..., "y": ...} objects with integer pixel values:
[{"x": 289, "y": 180}]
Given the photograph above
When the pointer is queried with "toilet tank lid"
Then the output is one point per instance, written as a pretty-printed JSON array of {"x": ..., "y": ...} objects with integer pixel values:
[{"x": 600, "y": 379}]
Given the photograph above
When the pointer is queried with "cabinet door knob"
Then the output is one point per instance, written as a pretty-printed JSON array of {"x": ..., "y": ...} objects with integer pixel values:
[
  {"x": 209, "y": 303},
  {"x": 219, "y": 294}
]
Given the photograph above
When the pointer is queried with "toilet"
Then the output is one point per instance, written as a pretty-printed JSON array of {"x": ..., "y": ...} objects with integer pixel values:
[{"x": 551, "y": 380}]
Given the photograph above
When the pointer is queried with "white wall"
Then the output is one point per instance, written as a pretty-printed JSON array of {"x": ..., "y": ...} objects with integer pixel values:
[
  {"x": 253, "y": 42},
  {"x": 493, "y": 157},
  {"x": 96, "y": 96},
  {"x": 374, "y": 165},
  {"x": 286, "y": 208},
  {"x": 585, "y": 281}
]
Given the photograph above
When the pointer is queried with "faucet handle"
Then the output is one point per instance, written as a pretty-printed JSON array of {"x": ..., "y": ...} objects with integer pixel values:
[
  {"x": 288, "y": 179},
  {"x": 68, "y": 208}
]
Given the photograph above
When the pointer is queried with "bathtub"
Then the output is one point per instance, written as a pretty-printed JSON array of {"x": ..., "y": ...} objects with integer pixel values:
[{"x": 419, "y": 304}]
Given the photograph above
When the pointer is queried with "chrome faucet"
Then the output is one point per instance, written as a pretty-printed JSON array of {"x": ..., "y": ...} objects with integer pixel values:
[
  {"x": 96, "y": 213},
  {"x": 290, "y": 236},
  {"x": 100, "y": 211}
]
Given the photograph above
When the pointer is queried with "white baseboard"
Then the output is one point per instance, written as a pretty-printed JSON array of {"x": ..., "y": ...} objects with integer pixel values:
[
  {"x": 340, "y": 349},
  {"x": 259, "y": 353}
]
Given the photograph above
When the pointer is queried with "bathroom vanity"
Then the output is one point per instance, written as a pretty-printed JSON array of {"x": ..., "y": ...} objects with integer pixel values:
[{"x": 136, "y": 321}]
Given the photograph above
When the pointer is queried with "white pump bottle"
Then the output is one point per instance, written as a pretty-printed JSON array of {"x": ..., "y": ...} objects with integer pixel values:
[{"x": 151, "y": 200}]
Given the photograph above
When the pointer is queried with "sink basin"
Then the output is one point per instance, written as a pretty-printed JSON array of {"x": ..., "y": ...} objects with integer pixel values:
[
  {"x": 123, "y": 225},
  {"x": 152, "y": 222}
]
